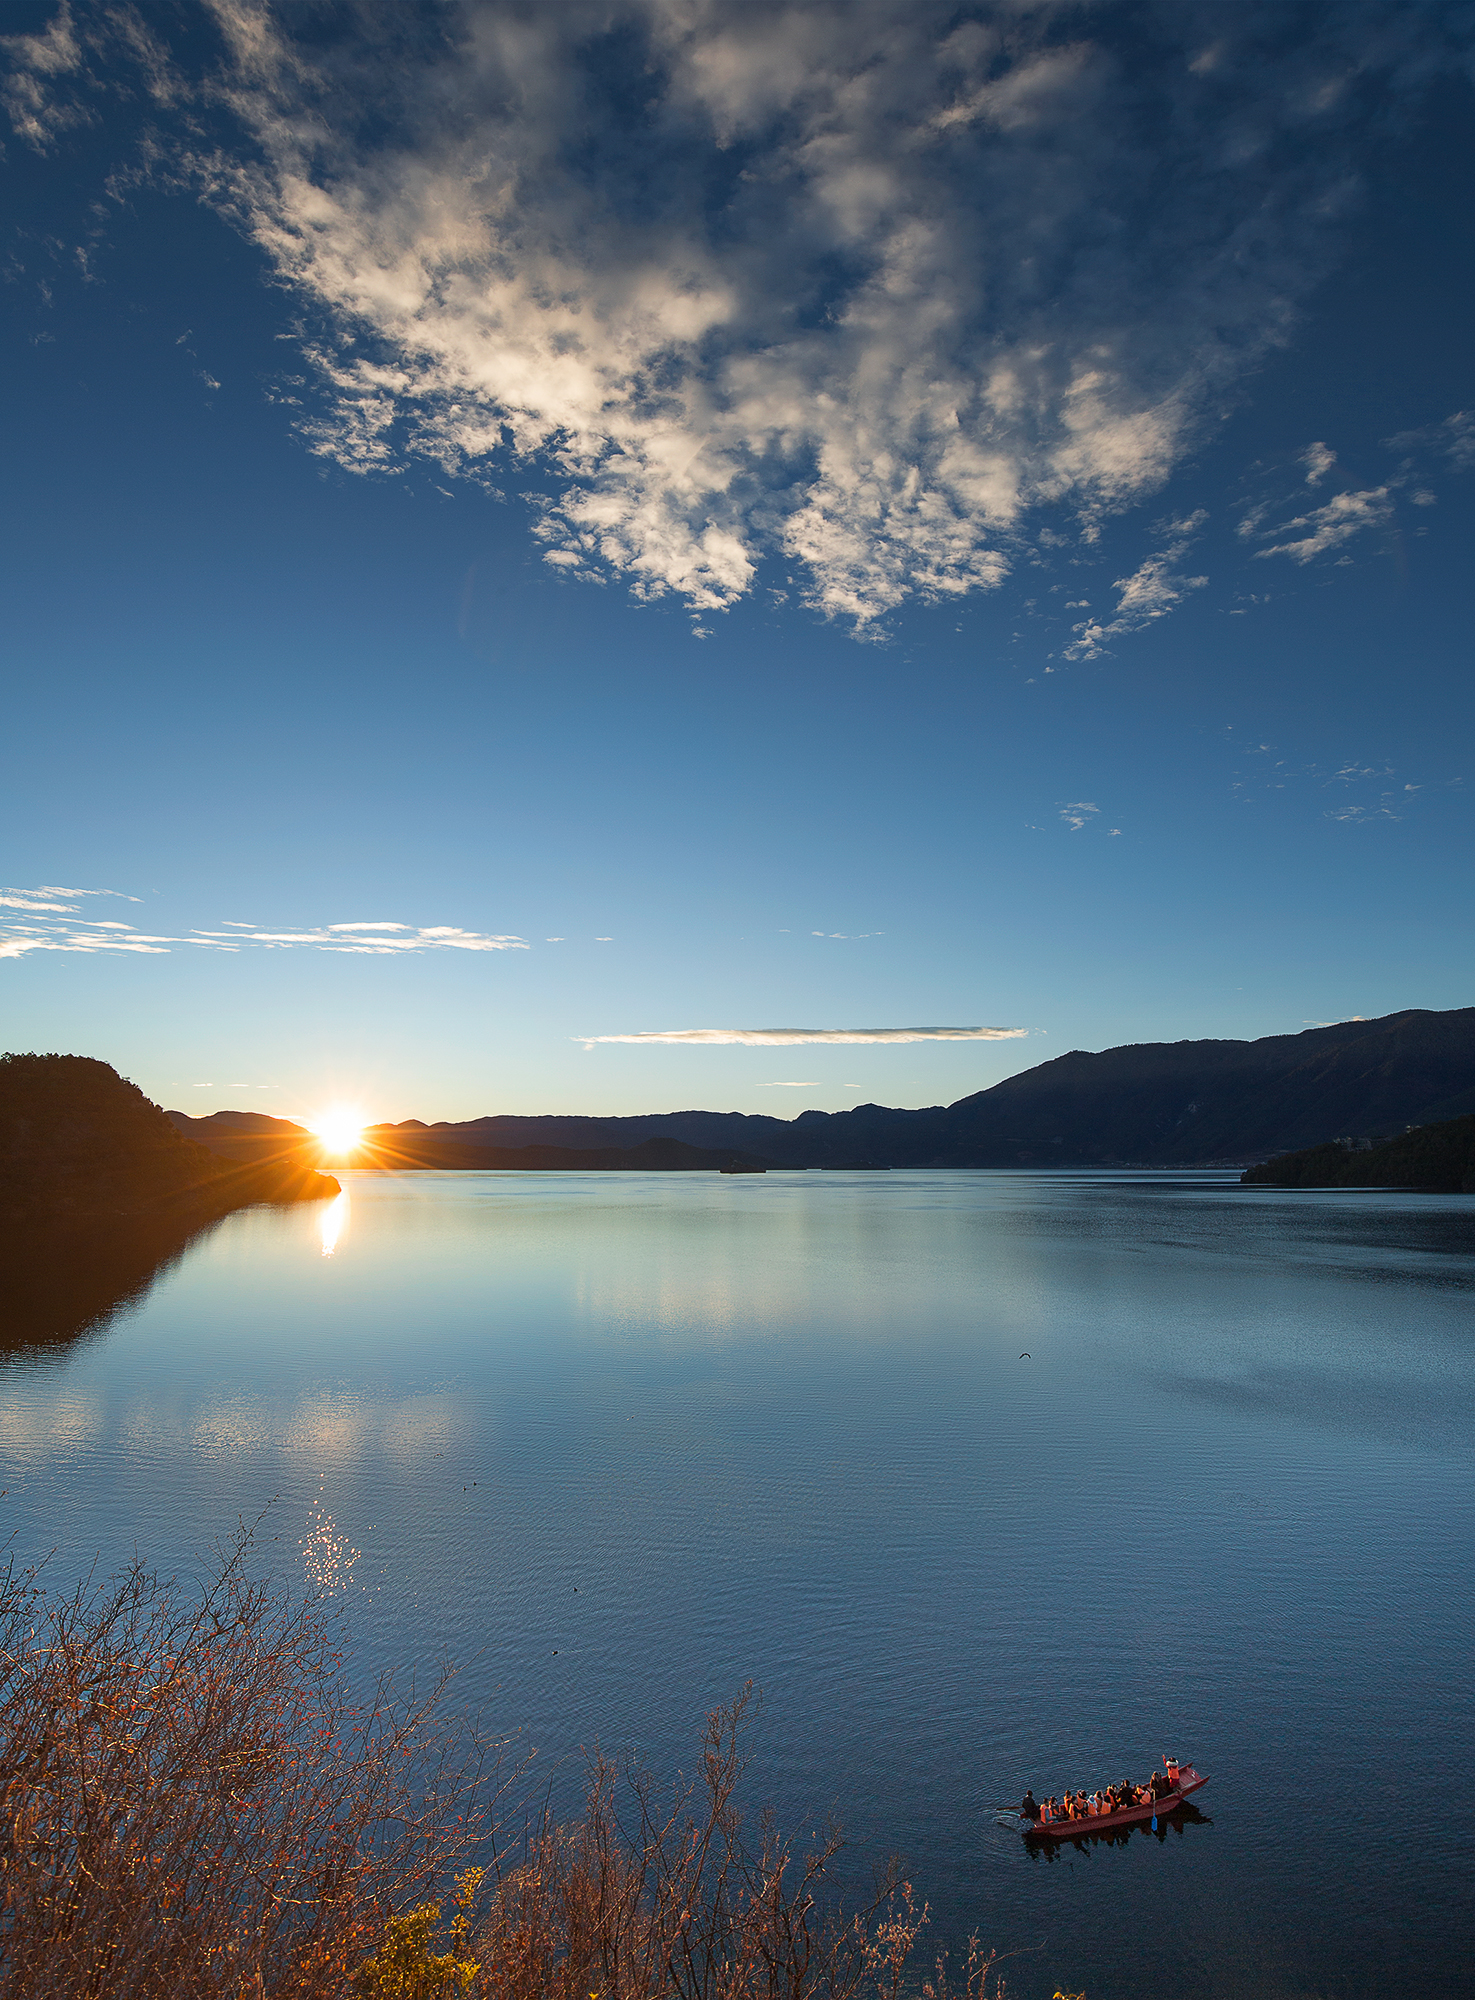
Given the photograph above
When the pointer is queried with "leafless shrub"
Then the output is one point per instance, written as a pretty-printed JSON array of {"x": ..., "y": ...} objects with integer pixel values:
[
  {"x": 671, "y": 1900},
  {"x": 192, "y": 1804}
]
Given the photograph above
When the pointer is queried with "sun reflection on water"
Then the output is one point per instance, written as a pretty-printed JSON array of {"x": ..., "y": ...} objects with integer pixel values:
[
  {"x": 327, "y": 1556},
  {"x": 333, "y": 1222}
]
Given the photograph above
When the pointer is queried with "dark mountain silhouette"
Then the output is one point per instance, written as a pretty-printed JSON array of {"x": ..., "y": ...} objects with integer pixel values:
[
  {"x": 251, "y": 1136},
  {"x": 1151, "y": 1104},
  {"x": 1439, "y": 1158},
  {"x": 99, "y": 1193},
  {"x": 77, "y": 1141}
]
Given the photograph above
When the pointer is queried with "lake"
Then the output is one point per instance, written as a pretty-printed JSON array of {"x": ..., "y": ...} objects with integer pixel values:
[{"x": 984, "y": 1478}]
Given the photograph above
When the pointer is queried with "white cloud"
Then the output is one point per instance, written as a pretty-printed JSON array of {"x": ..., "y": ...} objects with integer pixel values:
[
  {"x": 789, "y": 1083},
  {"x": 1156, "y": 587},
  {"x": 52, "y": 899},
  {"x": 1326, "y": 528},
  {"x": 797, "y": 1037},
  {"x": 1318, "y": 460},
  {"x": 57, "y": 926},
  {"x": 13, "y": 900},
  {"x": 37, "y": 64},
  {"x": 1078, "y": 815},
  {"x": 850, "y": 281},
  {"x": 377, "y": 940}
]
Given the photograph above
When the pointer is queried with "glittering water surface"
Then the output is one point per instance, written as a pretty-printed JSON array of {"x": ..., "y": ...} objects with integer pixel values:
[{"x": 621, "y": 1442}]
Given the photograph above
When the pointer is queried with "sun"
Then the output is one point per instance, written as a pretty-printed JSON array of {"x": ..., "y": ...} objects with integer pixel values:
[{"x": 339, "y": 1128}]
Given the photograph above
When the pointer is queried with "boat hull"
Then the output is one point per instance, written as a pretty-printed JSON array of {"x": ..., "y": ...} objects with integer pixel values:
[{"x": 1073, "y": 1829}]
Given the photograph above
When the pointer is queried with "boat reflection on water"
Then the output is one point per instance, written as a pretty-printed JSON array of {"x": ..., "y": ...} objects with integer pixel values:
[{"x": 1044, "y": 1848}]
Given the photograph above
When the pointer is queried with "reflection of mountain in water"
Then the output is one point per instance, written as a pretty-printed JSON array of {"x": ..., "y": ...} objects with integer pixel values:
[
  {"x": 99, "y": 1192},
  {"x": 69, "y": 1279}
]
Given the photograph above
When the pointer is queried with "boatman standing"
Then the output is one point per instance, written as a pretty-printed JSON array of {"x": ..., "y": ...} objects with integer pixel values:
[{"x": 1028, "y": 1809}]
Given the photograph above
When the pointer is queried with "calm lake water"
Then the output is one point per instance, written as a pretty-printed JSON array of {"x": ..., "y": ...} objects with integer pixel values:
[{"x": 620, "y": 1443}]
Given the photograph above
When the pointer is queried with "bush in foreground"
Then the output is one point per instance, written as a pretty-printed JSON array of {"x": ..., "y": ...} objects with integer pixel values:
[{"x": 191, "y": 1804}]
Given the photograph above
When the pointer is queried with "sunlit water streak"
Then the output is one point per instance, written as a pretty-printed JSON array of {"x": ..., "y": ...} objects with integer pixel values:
[
  {"x": 619, "y": 1442},
  {"x": 333, "y": 1221}
]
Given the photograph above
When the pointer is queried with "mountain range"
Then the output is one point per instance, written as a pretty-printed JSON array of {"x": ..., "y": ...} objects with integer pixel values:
[{"x": 1197, "y": 1103}]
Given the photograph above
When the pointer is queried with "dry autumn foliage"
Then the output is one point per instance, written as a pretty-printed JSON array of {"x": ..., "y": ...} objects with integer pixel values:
[{"x": 192, "y": 1804}]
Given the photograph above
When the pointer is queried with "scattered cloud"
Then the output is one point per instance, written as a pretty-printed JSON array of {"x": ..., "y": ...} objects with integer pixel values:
[
  {"x": 1327, "y": 528},
  {"x": 1266, "y": 772},
  {"x": 1156, "y": 587},
  {"x": 1452, "y": 440},
  {"x": 1078, "y": 815},
  {"x": 799, "y": 1037},
  {"x": 788, "y": 1083},
  {"x": 810, "y": 279}
]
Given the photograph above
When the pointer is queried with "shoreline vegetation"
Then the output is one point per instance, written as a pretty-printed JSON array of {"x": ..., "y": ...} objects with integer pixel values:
[{"x": 193, "y": 1801}]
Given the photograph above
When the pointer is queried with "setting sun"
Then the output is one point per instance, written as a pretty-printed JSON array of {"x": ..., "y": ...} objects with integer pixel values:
[{"x": 339, "y": 1129}]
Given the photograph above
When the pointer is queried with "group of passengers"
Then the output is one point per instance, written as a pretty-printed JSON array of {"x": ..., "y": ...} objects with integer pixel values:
[{"x": 1100, "y": 1804}]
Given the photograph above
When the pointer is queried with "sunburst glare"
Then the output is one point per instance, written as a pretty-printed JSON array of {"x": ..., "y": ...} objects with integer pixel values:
[{"x": 339, "y": 1128}]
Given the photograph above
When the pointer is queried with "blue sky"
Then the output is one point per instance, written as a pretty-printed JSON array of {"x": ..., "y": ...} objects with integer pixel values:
[{"x": 712, "y": 518}]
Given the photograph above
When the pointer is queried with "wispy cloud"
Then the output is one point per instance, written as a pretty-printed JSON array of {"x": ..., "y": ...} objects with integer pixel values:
[
  {"x": 771, "y": 280},
  {"x": 1156, "y": 587},
  {"x": 799, "y": 1037},
  {"x": 44, "y": 922},
  {"x": 1453, "y": 440},
  {"x": 375, "y": 940},
  {"x": 1326, "y": 528},
  {"x": 1380, "y": 800},
  {"x": 50, "y": 898}
]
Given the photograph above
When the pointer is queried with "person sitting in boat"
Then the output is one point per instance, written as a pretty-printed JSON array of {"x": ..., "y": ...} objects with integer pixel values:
[
  {"x": 1173, "y": 1770},
  {"x": 1028, "y": 1809}
]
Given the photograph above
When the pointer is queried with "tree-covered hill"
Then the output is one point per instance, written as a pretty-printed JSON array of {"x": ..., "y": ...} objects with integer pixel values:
[
  {"x": 1439, "y": 1158},
  {"x": 77, "y": 1139}
]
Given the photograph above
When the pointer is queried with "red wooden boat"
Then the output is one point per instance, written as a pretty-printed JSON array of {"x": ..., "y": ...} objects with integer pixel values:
[{"x": 1184, "y": 1780}]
